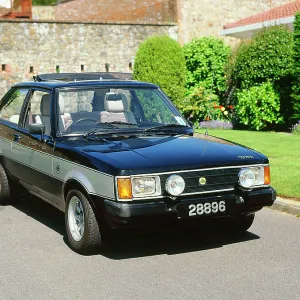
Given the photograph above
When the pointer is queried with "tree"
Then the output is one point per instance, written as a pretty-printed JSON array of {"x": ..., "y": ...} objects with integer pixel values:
[
  {"x": 160, "y": 60},
  {"x": 268, "y": 57},
  {"x": 206, "y": 58}
]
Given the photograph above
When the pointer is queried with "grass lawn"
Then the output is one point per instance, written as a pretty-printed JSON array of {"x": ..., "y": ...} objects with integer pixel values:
[{"x": 283, "y": 151}]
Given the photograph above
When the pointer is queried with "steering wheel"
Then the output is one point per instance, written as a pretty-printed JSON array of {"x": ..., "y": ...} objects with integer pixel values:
[
  {"x": 69, "y": 129},
  {"x": 85, "y": 119}
]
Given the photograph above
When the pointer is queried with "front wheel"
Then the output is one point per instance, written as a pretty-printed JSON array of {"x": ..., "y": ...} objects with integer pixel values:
[
  {"x": 82, "y": 227},
  {"x": 5, "y": 187},
  {"x": 235, "y": 225}
]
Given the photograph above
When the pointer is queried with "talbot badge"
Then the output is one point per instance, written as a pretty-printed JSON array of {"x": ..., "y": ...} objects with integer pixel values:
[{"x": 202, "y": 181}]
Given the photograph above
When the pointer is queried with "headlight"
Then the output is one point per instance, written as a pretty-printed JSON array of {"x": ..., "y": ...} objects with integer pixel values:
[
  {"x": 254, "y": 176},
  {"x": 175, "y": 185},
  {"x": 145, "y": 186},
  {"x": 137, "y": 187}
]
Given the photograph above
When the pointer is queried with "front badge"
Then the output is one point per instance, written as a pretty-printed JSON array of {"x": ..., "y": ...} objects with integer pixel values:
[{"x": 202, "y": 181}]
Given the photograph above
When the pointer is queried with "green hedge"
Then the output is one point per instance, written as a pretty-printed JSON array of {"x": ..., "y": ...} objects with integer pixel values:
[
  {"x": 259, "y": 107},
  {"x": 206, "y": 58},
  {"x": 267, "y": 57},
  {"x": 160, "y": 60},
  {"x": 44, "y": 2},
  {"x": 296, "y": 83}
]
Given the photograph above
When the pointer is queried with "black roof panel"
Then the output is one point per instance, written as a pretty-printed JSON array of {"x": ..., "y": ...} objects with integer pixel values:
[{"x": 83, "y": 76}]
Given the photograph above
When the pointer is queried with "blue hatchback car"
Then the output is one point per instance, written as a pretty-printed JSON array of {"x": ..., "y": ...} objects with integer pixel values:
[{"x": 115, "y": 153}]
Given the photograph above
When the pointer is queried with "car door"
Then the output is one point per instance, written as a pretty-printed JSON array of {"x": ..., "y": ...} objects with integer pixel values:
[
  {"x": 10, "y": 113},
  {"x": 36, "y": 150}
]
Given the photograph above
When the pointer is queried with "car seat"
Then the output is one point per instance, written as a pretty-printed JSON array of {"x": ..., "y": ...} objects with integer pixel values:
[{"x": 116, "y": 109}]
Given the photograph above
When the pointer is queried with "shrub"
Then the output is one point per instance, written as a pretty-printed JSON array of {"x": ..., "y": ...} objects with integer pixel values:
[
  {"x": 203, "y": 105},
  {"x": 200, "y": 104},
  {"x": 160, "y": 60},
  {"x": 296, "y": 82},
  {"x": 206, "y": 58},
  {"x": 44, "y": 2},
  {"x": 258, "y": 107},
  {"x": 267, "y": 57}
]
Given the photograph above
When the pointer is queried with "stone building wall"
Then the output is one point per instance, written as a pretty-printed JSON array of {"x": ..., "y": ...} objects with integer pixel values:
[
  {"x": 28, "y": 47},
  {"x": 198, "y": 18}
]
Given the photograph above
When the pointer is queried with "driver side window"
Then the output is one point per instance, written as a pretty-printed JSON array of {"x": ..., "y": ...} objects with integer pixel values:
[
  {"x": 38, "y": 110},
  {"x": 10, "y": 107}
]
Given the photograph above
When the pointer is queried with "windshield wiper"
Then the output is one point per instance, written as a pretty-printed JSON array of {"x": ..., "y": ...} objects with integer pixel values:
[
  {"x": 164, "y": 126},
  {"x": 107, "y": 125},
  {"x": 119, "y": 122}
]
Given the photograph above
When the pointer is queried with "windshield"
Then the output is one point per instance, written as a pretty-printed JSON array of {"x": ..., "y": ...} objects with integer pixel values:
[{"x": 96, "y": 110}]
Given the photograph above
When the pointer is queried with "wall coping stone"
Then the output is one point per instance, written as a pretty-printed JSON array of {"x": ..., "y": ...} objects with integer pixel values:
[{"x": 88, "y": 22}]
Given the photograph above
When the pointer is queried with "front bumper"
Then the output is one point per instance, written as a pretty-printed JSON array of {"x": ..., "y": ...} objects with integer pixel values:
[{"x": 167, "y": 211}]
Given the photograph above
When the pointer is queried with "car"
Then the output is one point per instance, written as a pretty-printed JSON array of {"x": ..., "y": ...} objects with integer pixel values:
[{"x": 113, "y": 153}]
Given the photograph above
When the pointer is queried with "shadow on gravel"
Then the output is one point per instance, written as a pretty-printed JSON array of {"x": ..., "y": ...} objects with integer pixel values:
[
  {"x": 171, "y": 243},
  {"x": 168, "y": 241},
  {"x": 42, "y": 212}
]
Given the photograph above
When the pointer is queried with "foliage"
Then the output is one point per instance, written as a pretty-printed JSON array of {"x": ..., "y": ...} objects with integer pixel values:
[
  {"x": 160, "y": 60},
  {"x": 206, "y": 58},
  {"x": 259, "y": 107},
  {"x": 199, "y": 104},
  {"x": 203, "y": 105},
  {"x": 267, "y": 57},
  {"x": 44, "y": 2},
  {"x": 296, "y": 83}
]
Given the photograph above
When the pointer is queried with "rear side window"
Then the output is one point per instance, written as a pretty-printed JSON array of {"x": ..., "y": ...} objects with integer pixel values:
[{"x": 10, "y": 107}]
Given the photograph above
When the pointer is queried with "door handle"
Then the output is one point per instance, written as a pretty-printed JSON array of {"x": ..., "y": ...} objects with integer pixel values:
[{"x": 16, "y": 137}]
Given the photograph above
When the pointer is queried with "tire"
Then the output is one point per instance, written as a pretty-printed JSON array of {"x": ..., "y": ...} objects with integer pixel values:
[
  {"x": 82, "y": 227},
  {"x": 236, "y": 225},
  {"x": 5, "y": 191}
]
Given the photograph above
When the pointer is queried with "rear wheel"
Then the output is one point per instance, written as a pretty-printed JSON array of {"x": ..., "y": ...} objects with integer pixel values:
[
  {"x": 82, "y": 227},
  {"x": 236, "y": 225},
  {"x": 5, "y": 191}
]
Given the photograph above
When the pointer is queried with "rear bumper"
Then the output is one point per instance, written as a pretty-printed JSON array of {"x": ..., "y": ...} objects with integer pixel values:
[{"x": 167, "y": 211}]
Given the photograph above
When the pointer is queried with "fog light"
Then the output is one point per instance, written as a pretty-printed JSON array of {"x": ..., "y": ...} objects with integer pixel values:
[{"x": 175, "y": 185}]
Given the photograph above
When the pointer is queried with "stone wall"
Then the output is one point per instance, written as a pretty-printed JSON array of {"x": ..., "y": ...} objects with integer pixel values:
[
  {"x": 198, "y": 18},
  {"x": 28, "y": 48}
]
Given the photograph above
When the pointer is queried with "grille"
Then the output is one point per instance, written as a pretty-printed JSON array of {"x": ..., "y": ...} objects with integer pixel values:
[{"x": 216, "y": 180}]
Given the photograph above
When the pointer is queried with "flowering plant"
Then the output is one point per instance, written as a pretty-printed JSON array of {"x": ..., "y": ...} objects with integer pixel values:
[
  {"x": 204, "y": 105},
  {"x": 296, "y": 128}
]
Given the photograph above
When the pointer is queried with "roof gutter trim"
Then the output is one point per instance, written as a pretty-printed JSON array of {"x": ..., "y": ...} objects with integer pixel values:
[{"x": 257, "y": 26}]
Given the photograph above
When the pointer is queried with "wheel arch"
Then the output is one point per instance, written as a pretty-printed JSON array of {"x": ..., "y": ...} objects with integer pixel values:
[{"x": 73, "y": 183}]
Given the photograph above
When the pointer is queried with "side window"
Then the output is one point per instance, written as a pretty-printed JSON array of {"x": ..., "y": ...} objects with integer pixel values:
[
  {"x": 38, "y": 110},
  {"x": 10, "y": 108}
]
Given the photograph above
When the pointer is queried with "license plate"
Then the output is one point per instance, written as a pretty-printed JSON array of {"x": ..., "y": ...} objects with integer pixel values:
[{"x": 206, "y": 208}]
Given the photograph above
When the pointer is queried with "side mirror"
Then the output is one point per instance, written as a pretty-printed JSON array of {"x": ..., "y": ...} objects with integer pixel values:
[{"x": 37, "y": 129}]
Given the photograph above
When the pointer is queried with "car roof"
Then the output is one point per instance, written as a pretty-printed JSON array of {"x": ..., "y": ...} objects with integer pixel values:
[{"x": 61, "y": 80}]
